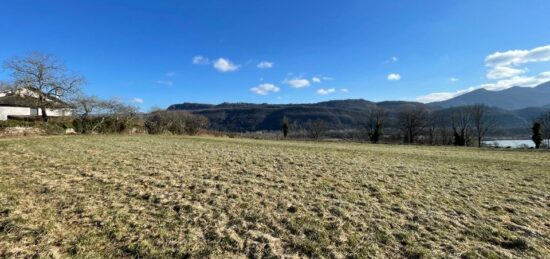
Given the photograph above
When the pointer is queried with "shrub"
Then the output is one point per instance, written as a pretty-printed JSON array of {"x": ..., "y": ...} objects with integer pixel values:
[
  {"x": 175, "y": 122},
  {"x": 316, "y": 129}
]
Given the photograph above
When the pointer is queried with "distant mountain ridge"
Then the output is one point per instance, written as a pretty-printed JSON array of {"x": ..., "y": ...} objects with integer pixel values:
[
  {"x": 510, "y": 99},
  {"x": 337, "y": 114}
]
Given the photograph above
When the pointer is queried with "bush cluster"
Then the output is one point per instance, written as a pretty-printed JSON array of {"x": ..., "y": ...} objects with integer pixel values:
[{"x": 175, "y": 122}]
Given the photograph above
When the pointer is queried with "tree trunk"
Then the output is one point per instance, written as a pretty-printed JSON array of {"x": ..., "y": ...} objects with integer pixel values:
[
  {"x": 44, "y": 114},
  {"x": 479, "y": 141}
]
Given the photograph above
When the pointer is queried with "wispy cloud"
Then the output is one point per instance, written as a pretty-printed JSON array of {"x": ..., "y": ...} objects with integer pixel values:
[
  {"x": 503, "y": 64},
  {"x": 265, "y": 89},
  {"x": 165, "y": 82},
  {"x": 200, "y": 60},
  {"x": 225, "y": 65},
  {"x": 504, "y": 67},
  {"x": 391, "y": 60},
  {"x": 297, "y": 82},
  {"x": 323, "y": 91},
  {"x": 504, "y": 72},
  {"x": 344, "y": 90},
  {"x": 522, "y": 81},
  {"x": 394, "y": 77},
  {"x": 171, "y": 74},
  {"x": 453, "y": 79},
  {"x": 319, "y": 79},
  {"x": 137, "y": 100},
  {"x": 265, "y": 64},
  {"x": 436, "y": 97},
  {"x": 518, "y": 57}
]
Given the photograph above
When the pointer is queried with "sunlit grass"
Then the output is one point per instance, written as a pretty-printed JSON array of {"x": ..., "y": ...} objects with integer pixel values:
[{"x": 165, "y": 196}]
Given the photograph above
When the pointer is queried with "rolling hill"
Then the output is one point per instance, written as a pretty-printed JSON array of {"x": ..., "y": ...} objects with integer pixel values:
[{"x": 337, "y": 114}]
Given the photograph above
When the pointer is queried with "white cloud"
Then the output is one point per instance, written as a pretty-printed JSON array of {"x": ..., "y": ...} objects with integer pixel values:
[
  {"x": 436, "y": 97},
  {"x": 504, "y": 72},
  {"x": 319, "y": 79},
  {"x": 297, "y": 82},
  {"x": 517, "y": 57},
  {"x": 322, "y": 91},
  {"x": 165, "y": 82},
  {"x": 505, "y": 68},
  {"x": 265, "y": 64},
  {"x": 344, "y": 90},
  {"x": 453, "y": 79},
  {"x": 521, "y": 81},
  {"x": 137, "y": 100},
  {"x": 265, "y": 89},
  {"x": 171, "y": 74},
  {"x": 502, "y": 63},
  {"x": 391, "y": 60},
  {"x": 200, "y": 60},
  {"x": 225, "y": 65},
  {"x": 394, "y": 77}
]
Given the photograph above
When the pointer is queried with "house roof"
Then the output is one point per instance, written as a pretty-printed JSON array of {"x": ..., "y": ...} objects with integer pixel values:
[{"x": 16, "y": 100}]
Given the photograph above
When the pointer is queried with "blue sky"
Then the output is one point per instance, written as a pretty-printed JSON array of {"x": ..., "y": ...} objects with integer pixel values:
[{"x": 156, "y": 53}]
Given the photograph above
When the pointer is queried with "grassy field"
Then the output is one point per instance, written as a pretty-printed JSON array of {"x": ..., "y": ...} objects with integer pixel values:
[{"x": 164, "y": 196}]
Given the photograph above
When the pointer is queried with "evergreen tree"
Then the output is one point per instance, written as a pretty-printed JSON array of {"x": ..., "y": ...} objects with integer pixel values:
[
  {"x": 285, "y": 127},
  {"x": 537, "y": 134}
]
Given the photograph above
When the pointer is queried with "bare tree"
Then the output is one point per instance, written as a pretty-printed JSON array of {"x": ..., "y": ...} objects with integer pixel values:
[
  {"x": 5, "y": 86},
  {"x": 481, "y": 121},
  {"x": 175, "y": 122},
  {"x": 375, "y": 120},
  {"x": 432, "y": 124},
  {"x": 95, "y": 115},
  {"x": 194, "y": 123},
  {"x": 316, "y": 128},
  {"x": 124, "y": 115},
  {"x": 411, "y": 120},
  {"x": 461, "y": 122},
  {"x": 47, "y": 76},
  {"x": 85, "y": 108}
]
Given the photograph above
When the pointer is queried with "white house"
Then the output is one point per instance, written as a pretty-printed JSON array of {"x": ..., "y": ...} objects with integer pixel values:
[{"x": 22, "y": 102}]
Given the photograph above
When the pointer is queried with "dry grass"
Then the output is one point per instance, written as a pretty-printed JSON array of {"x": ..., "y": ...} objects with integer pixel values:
[{"x": 162, "y": 196}]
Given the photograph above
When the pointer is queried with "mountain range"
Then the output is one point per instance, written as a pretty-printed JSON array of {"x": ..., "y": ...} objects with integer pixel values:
[
  {"x": 514, "y": 108},
  {"x": 510, "y": 99}
]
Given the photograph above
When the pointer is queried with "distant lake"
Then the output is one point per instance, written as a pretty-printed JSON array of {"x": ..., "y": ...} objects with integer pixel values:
[{"x": 513, "y": 143}]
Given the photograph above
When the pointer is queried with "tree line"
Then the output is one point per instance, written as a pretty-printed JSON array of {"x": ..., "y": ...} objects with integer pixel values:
[
  {"x": 52, "y": 82},
  {"x": 458, "y": 126}
]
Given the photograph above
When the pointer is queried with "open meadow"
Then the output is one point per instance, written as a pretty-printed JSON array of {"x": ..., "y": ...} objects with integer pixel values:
[{"x": 169, "y": 196}]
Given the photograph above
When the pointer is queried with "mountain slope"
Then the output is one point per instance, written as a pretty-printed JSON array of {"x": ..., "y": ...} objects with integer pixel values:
[
  {"x": 511, "y": 99},
  {"x": 337, "y": 114}
]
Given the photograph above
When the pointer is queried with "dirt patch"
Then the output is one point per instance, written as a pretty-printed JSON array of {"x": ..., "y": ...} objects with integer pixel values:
[{"x": 20, "y": 131}]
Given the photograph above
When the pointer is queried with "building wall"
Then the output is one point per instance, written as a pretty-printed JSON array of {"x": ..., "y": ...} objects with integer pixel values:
[
  {"x": 8, "y": 110},
  {"x": 56, "y": 112}
]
